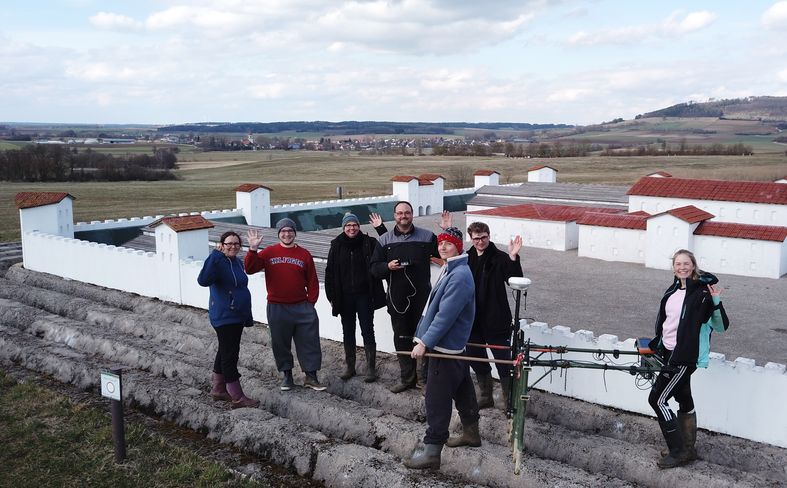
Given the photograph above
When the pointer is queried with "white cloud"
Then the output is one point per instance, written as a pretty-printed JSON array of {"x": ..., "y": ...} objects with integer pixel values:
[
  {"x": 782, "y": 75},
  {"x": 267, "y": 90},
  {"x": 108, "y": 20},
  {"x": 99, "y": 72},
  {"x": 775, "y": 17},
  {"x": 568, "y": 94},
  {"x": 677, "y": 22}
]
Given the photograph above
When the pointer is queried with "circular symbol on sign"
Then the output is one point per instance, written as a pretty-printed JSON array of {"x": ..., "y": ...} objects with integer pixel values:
[{"x": 110, "y": 387}]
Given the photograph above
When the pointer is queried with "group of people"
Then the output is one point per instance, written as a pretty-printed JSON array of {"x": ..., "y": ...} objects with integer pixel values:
[{"x": 432, "y": 325}]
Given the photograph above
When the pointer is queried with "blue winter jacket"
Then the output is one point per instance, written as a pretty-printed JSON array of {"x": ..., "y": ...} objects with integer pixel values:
[
  {"x": 230, "y": 300},
  {"x": 448, "y": 320}
]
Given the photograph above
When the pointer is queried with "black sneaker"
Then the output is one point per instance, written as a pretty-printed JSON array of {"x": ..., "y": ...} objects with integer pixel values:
[
  {"x": 311, "y": 381},
  {"x": 287, "y": 383}
]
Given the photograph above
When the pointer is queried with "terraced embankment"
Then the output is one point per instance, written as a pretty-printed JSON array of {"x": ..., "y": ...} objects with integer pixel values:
[{"x": 353, "y": 434}]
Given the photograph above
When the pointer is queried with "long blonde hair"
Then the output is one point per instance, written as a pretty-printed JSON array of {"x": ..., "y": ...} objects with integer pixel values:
[{"x": 695, "y": 275}]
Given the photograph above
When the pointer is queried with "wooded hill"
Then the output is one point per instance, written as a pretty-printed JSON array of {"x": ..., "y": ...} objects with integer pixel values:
[{"x": 772, "y": 109}]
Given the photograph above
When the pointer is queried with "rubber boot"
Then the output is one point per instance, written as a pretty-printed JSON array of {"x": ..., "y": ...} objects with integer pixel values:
[
  {"x": 470, "y": 437},
  {"x": 677, "y": 454},
  {"x": 407, "y": 367},
  {"x": 349, "y": 359},
  {"x": 485, "y": 385},
  {"x": 219, "y": 390},
  {"x": 426, "y": 457},
  {"x": 688, "y": 428},
  {"x": 371, "y": 363},
  {"x": 239, "y": 400}
]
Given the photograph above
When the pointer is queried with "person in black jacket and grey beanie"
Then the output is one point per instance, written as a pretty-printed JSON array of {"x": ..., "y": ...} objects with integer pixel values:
[
  {"x": 689, "y": 311},
  {"x": 352, "y": 290}
]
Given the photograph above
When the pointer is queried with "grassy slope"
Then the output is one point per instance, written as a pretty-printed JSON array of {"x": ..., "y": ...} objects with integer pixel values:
[{"x": 49, "y": 441}]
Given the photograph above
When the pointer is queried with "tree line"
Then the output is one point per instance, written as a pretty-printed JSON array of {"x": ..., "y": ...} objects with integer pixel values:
[
  {"x": 38, "y": 163},
  {"x": 682, "y": 149}
]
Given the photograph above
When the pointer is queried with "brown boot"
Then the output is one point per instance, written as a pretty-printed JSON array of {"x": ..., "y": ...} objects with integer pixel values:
[
  {"x": 687, "y": 423},
  {"x": 426, "y": 457},
  {"x": 485, "y": 386},
  {"x": 219, "y": 390},
  {"x": 239, "y": 400},
  {"x": 470, "y": 437}
]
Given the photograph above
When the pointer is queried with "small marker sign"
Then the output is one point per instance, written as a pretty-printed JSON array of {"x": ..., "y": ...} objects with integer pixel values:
[{"x": 110, "y": 385}]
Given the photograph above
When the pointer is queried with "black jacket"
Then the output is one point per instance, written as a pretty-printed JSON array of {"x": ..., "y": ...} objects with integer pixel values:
[
  {"x": 345, "y": 263},
  {"x": 697, "y": 309},
  {"x": 491, "y": 272},
  {"x": 416, "y": 247}
]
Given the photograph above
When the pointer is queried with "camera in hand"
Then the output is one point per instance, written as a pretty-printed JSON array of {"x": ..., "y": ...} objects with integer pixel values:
[{"x": 403, "y": 263}]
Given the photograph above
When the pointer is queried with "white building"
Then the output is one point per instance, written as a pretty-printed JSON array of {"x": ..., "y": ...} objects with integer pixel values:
[
  {"x": 254, "y": 200},
  {"x": 542, "y": 174},
  {"x": 425, "y": 192},
  {"x": 540, "y": 225},
  {"x": 744, "y": 202}
]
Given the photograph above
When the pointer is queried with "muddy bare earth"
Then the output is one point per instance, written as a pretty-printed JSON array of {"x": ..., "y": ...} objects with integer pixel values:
[{"x": 352, "y": 434}]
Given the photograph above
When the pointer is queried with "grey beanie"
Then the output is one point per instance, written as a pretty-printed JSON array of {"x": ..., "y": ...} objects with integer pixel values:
[
  {"x": 285, "y": 222},
  {"x": 350, "y": 217}
]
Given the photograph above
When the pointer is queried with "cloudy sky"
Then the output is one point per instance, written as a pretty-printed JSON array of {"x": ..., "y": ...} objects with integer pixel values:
[{"x": 539, "y": 61}]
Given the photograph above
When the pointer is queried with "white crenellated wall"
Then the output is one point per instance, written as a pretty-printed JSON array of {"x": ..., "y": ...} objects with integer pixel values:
[
  {"x": 120, "y": 268},
  {"x": 612, "y": 244},
  {"x": 294, "y": 207},
  {"x": 732, "y": 397},
  {"x": 147, "y": 220},
  {"x": 737, "y": 212}
]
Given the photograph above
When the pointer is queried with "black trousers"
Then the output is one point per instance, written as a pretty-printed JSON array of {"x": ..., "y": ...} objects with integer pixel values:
[
  {"x": 503, "y": 370},
  {"x": 447, "y": 381},
  {"x": 676, "y": 385},
  {"x": 404, "y": 325},
  {"x": 361, "y": 306},
  {"x": 226, "y": 361}
]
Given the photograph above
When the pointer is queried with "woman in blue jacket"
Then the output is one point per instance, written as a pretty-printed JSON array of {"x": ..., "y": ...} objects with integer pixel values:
[
  {"x": 229, "y": 311},
  {"x": 689, "y": 311}
]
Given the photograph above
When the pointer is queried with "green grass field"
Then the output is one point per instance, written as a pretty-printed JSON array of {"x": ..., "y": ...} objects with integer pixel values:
[
  {"x": 208, "y": 179},
  {"x": 48, "y": 440}
]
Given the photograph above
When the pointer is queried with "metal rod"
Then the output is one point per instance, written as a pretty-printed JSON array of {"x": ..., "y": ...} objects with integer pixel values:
[
  {"x": 488, "y": 346},
  {"x": 460, "y": 358},
  {"x": 118, "y": 424}
]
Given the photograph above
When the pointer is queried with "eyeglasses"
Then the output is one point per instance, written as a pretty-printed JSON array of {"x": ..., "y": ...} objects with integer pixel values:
[
  {"x": 480, "y": 238},
  {"x": 286, "y": 231},
  {"x": 352, "y": 225},
  {"x": 237, "y": 244},
  {"x": 403, "y": 213}
]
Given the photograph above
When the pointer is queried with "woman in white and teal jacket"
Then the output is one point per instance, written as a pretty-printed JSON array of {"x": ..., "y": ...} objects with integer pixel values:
[{"x": 689, "y": 312}]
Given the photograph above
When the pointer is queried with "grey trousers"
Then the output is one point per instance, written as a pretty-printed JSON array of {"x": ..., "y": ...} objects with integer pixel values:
[{"x": 295, "y": 322}]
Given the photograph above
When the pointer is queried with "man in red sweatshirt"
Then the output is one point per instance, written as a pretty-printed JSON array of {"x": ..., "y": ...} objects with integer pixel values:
[{"x": 291, "y": 280}]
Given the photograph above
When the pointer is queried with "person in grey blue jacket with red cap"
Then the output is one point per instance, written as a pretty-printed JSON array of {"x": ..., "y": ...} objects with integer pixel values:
[
  {"x": 229, "y": 310},
  {"x": 444, "y": 329}
]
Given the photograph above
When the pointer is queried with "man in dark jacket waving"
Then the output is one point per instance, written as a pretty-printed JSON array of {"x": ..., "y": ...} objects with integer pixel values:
[
  {"x": 402, "y": 257},
  {"x": 491, "y": 269},
  {"x": 352, "y": 290}
]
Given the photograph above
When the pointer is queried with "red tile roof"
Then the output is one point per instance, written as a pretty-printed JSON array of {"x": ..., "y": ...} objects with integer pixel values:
[
  {"x": 728, "y": 191},
  {"x": 742, "y": 231},
  {"x": 689, "y": 213},
  {"x": 485, "y": 172},
  {"x": 541, "y": 166},
  {"x": 184, "y": 223},
  {"x": 250, "y": 187},
  {"x": 621, "y": 221},
  {"x": 538, "y": 211},
  {"x": 430, "y": 176},
  {"x": 639, "y": 212},
  {"x": 663, "y": 174},
  {"x": 403, "y": 178},
  {"x": 424, "y": 182},
  {"x": 30, "y": 199}
]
